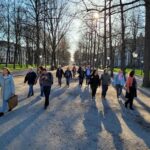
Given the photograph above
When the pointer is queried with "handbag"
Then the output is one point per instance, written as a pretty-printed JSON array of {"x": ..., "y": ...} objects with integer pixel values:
[{"x": 13, "y": 102}]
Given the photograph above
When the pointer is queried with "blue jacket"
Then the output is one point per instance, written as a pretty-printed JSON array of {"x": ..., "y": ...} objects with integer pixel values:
[
  {"x": 119, "y": 82},
  {"x": 8, "y": 87}
]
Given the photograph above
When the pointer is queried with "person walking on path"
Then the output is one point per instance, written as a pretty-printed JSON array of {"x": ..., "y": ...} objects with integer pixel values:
[
  {"x": 40, "y": 72},
  {"x": 31, "y": 78},
  {"x": 94, "y": 82},
  {"x": 59, "y": 75},
  {"x": 74, "y": 70},
  {"x": 131, "y": 90},
  {"x": 88, "y": 74},
  {"x": 105, "y": 82},
  {"x": 7, "y": 88},
  {"x": 47, "y": 82},
  {"x": 119, "y": 82},
  {"x": 81, "y": 73},
  {"x": 68, "y": 76}
]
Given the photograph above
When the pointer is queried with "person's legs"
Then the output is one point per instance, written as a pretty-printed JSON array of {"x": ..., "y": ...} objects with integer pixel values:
[
  {"x": 68, "y": 81},
  {"x": 117, "y": 90},
  {"x": 46, "y": 93},
  {"x": 4, "y": 106},
  {"x": 42, "y": 91},
  {"x": 59, "y": 81},
  {"x": 94, "y": 92},
  {"x": 131, "y": 102}
]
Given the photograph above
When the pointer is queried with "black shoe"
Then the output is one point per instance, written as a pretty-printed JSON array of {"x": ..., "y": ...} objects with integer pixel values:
[
  {"x": 45, "y": 107},
  {"x": 131, "y": 108},
  {"x": 1, "y": 114}
]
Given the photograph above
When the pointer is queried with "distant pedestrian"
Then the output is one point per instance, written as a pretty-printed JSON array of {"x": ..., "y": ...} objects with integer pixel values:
[
  {"x": 68, "y": 76},
  {"x": 47, "y": 82},
  {"x": 94, "y": 82},
  {"x": 105, "y": 82},
  {"x": 74, "y": 70},
  {"x": 81, "y": 73},
  {"x": 131, "y": 90},
  {"x": 59, "y": 75},
  {"x": 8, "y": 89},
  {"x": 88, "y": 72},
  {"x": 31, "y": 79},
  {"x": 119, "y": 82}
]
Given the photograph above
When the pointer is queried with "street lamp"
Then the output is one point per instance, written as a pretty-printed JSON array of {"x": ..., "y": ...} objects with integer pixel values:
[
  {"x": 142, "y": 67},
  {"x": 40, "y": 59},
  {"x": 108, "y": 59},
  {"x": 135, "y": 55}
]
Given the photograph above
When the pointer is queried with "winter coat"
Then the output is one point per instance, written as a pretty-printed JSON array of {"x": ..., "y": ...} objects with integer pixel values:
[
  {"x": 131, "y": 86},
  {"x": 68, "y": 74},
  {"x": 105, "y": 79},
  {"x": 47, "y": 79},
  {"x": 95, "y": 81},
  {"x": 88, "y": 72},
  {"x": 59, "y": 73},
  {"x": 30, "y": 78},
  {"x": 81, "y": 73},
  {"x": 7, "y": 87},
  {"x": 118, "y": 81}
]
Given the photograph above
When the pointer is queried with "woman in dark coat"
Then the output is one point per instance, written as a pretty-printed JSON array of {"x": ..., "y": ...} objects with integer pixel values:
[
  {"x": 94, "y": 82},
  {"x": 131, "y": 92},
  {"x": 68, "y": 76},
  {"x": 81, "y": 73}
]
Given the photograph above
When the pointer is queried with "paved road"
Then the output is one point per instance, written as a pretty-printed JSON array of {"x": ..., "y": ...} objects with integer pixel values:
[{"x": 74, "y": 122}]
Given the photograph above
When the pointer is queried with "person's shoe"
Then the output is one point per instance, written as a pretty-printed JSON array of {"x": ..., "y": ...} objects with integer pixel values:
[
  {"x": 9, "y": 110},
  {"x": 1, "y": 114},
  {"x": 125, "y": 105},
  {"x": 131, "y": 108}
]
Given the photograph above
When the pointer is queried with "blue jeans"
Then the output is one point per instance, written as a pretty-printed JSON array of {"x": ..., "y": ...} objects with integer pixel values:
[
  {"x": 119, "y": 90},
  {"x": 42, "y": 90},
  {"x": 104, "y": 90},
  {"x": 67, "y": 81},
  {"x": 4, "y": 106},
  {"x": 31, "y": 92}
]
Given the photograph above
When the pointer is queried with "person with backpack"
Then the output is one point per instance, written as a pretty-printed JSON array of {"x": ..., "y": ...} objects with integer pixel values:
[
  {"x": 119, "y": 82},
  {"x": 8, "y": 89},
  {"x": 68, "y": 76},
  {"x": 81, "y": 73},
  {"x": 105, "y": 82},
  {"x": 131, "y": 90},
  {"x": 31, "y": 78},
  {"x": 59, "y": 75},
  {"x": 88, "y": 74},
  {"x": 47, "y": 82},
  {"x": 94, "y": 82}
]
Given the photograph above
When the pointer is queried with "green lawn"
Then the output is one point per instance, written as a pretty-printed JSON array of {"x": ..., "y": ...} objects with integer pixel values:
[
  {"x": 137, "y": 71},
  {"x": 18, "y": 68}
]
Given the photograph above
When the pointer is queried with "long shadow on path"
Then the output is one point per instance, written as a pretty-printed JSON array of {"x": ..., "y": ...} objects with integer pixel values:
[
  {"x": 112, "y": 124},
  {"x": 92, "y": 126}
]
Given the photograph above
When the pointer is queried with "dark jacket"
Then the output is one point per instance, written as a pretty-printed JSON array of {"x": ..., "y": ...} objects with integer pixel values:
[
  {"x": 59, "y": 73},
  {"x": 47, "y": 79},
  {"x": 81, "y": 73},
  {"x": 30, "y": 78},
  {"x": 68, "y": 74},
  {"x": 105, "y": 79},
  {"x": 95, "y": 81}
]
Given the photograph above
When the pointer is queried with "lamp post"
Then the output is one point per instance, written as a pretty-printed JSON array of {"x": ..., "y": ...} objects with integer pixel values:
[
  {"x": 95, "y": 62},
  {"x": 108, "y": 59},
  {"x": 40, "y": 59},
  {"x": 135, "y": 55},
  {"x": 142, "y": 67}
]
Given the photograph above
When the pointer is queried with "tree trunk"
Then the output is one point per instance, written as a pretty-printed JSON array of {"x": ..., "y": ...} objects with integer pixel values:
[
  {"x": 123, "y": 51},
  {"x": 146, "y": 80}
]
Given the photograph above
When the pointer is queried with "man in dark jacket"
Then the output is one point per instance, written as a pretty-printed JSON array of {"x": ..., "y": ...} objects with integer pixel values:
[
  {"x": 47, "y": 82},
  {"x": 59, "y": 74},
  {"x": 31, "y": 79},
  {"x": 105, "y": 81},
  {"x": 68, "y": 76},
  {"x": 81, "y": 73}
]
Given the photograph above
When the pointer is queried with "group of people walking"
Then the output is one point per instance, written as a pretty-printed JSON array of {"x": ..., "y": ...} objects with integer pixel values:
[{"x": 92, "y": 77}]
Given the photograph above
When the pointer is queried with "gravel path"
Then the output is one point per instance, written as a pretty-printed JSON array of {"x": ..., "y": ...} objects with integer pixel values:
[{"x": 74, "y": 122}]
